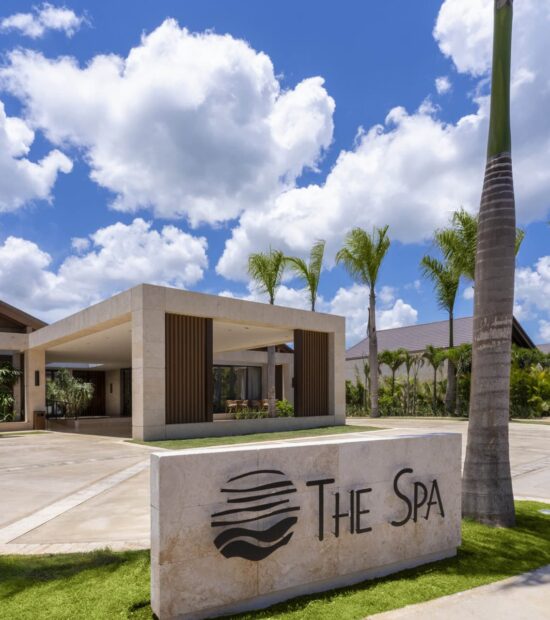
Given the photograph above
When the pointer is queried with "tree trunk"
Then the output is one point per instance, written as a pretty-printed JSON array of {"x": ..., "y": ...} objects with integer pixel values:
[
  {"x": 271, "y": 382},
  {"x": 373, "y": 355},
  {"x": 434, "y": 401},
  {"x": 450, "y": 394},
  {"x": 487, "y": 494}
]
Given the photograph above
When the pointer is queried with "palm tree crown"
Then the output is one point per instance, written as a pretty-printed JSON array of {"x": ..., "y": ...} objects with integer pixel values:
[
  {"x": 459, "y": 242},
  {"x": 445, "y": 279},
  {"x": 266, "y": 269},
  {"x": 309, "y": 273},
  {"x": 363, "y": 254}
]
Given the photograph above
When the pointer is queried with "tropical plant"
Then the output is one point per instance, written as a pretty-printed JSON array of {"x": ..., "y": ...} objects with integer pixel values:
[
  {"x": 362, "y": 256},
  {"x": 73, "y": 394},
  {"x": 284, "y": 409},
  {"x": 393, "y": 360},
  {"x": 487, "y": 494},
  {"x": 309, "y": 273},
  {"x": 459, "y": 242},
  {"x": 461, "y": 359},
  {"x": 8, "y": 378},
  {"x": 412, "y": 363},
  {"x": 445, "y": 277},
  {"x": 435, "y": 357},
  {"x": 266, "y": 270}
]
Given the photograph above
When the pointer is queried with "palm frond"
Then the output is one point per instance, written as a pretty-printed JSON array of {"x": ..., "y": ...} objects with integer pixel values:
[{"x": 266, "y": 269}]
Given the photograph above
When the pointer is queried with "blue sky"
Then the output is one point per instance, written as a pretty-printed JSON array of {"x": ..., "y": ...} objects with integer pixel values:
[{"x": 373, "y": 58}]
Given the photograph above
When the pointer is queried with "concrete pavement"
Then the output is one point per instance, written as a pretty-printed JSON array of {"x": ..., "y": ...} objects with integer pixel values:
[
  {"x": 525, "y": 597},
  {"x": 64, "y": 492},
  {"x": 529, "y": 449}
]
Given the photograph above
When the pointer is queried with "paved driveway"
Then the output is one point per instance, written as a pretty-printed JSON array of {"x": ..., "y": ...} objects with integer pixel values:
[{"x": 63, "y": 492}]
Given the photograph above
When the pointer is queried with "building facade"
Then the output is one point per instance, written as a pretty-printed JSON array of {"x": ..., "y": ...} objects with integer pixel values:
[{"x": 167, "y": 363}]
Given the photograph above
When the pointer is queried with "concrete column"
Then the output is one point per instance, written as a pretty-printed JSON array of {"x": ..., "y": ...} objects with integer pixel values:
[
  {"x": 288, "y": 390},
  {"x": 35, "y": 395},
  {"x": 148, "y": 363},
  {"x": 336, "y": 376},
  {"x": 16, "y": 363}
]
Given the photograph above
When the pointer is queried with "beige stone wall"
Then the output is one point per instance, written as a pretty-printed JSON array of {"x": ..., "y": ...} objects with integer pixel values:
[
  {"x": 145, "y": 306},
  {"x": 35, "y": 395},
  {"x": 194, "y": 571}
]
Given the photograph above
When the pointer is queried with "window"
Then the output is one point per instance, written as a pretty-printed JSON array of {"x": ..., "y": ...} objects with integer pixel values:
[{"x": 236, "y": 383}]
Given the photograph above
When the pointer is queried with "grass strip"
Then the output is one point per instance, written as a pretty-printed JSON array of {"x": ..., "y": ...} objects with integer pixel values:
[
  {"x": 105, "y": 585},
  {"x": 206, "y": 442}
]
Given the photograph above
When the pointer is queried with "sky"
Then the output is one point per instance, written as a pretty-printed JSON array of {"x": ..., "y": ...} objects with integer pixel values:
[{"x": 163, "y": 142}]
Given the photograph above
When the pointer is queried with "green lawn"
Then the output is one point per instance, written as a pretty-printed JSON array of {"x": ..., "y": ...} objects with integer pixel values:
[
  {"x": 205, "y": 442},
  {"x": 545, "y": 421},
  {"x": 105, "y": 585}
]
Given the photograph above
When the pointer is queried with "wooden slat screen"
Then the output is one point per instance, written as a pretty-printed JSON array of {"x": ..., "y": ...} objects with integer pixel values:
[
  {"x": 310, "y": 373},
  {"x": 188, "y": 369}
]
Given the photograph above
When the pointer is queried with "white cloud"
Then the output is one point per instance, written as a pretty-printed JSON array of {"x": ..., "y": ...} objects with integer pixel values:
[
  {"x": 187, "y": 125},
  {"x": 351, "y": 302},
  {"x": 544, "y": 330},
  {"x": 399, "y": 315},
  {"x": 464, "y": 31},
  {"x": 443, "y": 85},
  {"x": 468, "y": 292},
  {"x": 532, "y": 294},
  {"x": 22, "y": 180},
  {"x": 44, "y": 18},
  {"x": 415, "y": 169},
  {"x": 119, "y": 257},
  {"x": 80, "y": 244}
]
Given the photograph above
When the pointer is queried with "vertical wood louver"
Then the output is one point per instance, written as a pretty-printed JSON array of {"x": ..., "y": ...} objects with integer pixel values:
[
  {"x": 310, "y": 373},
  {"x": 188, "y": 369}
]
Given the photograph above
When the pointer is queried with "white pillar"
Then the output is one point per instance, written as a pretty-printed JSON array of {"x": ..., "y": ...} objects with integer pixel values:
[
  {"x": 148, "y": 363},
  {"x": 35, "y": 382}
]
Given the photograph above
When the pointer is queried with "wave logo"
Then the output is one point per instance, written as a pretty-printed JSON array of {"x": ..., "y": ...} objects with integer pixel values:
[{"x": 260, "y": 518}]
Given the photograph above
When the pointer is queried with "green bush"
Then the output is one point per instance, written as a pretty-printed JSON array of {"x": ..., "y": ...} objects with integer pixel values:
[
  {"x": 284, "y": 409},
  {"x": 8, "y": 379},
  {"x": 249, "y": 413}
]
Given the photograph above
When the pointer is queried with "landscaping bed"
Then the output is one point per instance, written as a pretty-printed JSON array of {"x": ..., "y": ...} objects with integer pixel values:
[{"x": 105, "y": 585}]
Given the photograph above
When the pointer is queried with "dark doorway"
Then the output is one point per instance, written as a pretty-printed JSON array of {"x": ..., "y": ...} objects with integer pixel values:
[
  {"x": 97, "y": 379},
  {"x": 126, "y": 391}
]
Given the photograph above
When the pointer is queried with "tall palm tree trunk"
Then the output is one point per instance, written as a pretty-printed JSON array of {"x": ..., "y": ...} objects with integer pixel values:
[
  {"x": 373, "y": 355},
  {"x": 434, "y": 401},
  {"x": 487, "y": 486},
  {"x": 271, "y": 403},
  {"x": 450, "y": 394}
]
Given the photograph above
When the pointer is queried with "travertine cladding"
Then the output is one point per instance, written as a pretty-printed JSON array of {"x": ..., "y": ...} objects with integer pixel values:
[{"x": 191, "y": 578}]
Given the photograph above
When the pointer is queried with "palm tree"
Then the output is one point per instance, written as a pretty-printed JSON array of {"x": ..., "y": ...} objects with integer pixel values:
[
  {"x": 445, "y": 278},
  {"x": 458, "y": 242},
  {"x": 487, "y": 494},
  {"x": 435, "y": 357},
  {"x": 309, "y": 274},
  {"x": 266, "y": 269},
  {"x": 410, "y": 361},
  {"x": 362, "y": 256},
  {"x": 461, "y": 358},
  {"x": 393, "y": 360}
]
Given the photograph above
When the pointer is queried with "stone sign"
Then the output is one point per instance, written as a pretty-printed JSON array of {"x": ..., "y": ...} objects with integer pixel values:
[{"x": 240, "y": 528}]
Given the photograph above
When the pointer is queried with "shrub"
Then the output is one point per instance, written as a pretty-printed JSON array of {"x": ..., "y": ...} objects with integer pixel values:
[
  {"x": 284, "y": 409},
  {"x": 72, "y": 394},
  {"x": 8, "y": 378},
  {"x": 248, "y": 413}
]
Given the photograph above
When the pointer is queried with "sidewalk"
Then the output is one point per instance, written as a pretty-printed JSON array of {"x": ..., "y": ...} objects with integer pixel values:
[{"x": 525, "y": 597}]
